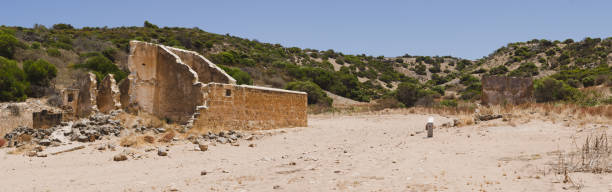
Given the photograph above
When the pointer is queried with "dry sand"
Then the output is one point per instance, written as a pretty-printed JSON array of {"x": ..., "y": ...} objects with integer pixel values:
[{"x": 344, "y": 153}]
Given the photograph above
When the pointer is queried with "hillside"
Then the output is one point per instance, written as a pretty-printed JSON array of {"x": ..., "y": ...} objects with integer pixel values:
[{"x": 358, "y": 77}]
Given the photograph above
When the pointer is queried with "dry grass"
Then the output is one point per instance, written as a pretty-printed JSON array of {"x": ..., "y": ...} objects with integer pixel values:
[
  {"x": 22, "y": 149},
  {"x": 594, "y": 156},
  {"x": 136, "y": 140},
  {"x": 568, "y": 114},
  {"x": 166, "y": 138}
]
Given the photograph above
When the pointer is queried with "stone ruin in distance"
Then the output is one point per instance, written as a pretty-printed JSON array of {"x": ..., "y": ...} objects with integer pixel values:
[{"x": 184, "y": 87}]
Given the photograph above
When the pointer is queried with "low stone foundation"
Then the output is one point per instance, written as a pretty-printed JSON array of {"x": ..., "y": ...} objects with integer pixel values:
[{"x": 45, "y": 119}]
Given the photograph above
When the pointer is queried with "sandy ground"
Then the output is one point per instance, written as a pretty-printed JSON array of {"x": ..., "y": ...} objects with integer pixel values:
[{"x": 344, "y": 153}]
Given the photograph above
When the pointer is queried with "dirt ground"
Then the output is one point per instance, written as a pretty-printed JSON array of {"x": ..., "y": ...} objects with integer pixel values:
[{"x": 343, "y": 153}]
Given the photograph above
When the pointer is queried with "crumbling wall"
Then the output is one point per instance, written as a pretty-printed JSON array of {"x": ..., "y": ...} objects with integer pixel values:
[
  {"x": 124, "y": 92},
  {"x": 70, "y": 98},
  {"x": 45, "y": 119},
  {"x": 161, "y": 84},
  {"x": 108, "y": 95},
  {"x": 206, "y": 70},
  {"x": 498, "y": 90},
  {"x": 86, "y": 104},
  {"x": 250, "y": 108}
]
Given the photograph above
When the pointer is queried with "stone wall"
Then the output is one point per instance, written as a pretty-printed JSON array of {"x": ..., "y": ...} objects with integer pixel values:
[
  {"x": 87, "y": 95},
  {"x": 108, "y": 95},
  {"x": 250, "y": 108},
  {"x": 499, "y": 90},
  {"x": 45, "y": 119},
  {"x": 206, "y": 70},
  {"x": 179, "y": 85},
  {"x": 161, "y": 84}
]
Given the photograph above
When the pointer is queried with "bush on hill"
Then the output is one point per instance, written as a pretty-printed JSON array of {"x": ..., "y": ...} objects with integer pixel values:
[{"x": 315, "y": 94}]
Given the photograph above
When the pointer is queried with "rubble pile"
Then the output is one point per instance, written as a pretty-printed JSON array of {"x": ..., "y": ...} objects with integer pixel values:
[
  {"x": 224, "y": 137},
  {"x": 82, "y": 130}
]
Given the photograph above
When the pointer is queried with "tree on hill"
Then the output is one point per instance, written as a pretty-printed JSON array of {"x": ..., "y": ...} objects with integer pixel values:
[
  {"x": 13, "y": 84},
  {"x": 39, "y": 72},
  {"x": 8, "y": 44}
]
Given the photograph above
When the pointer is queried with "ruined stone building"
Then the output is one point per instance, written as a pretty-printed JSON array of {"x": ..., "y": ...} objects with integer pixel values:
[
  {"x": 184, "y": 87},
  {"x": 499, "y": 90}
]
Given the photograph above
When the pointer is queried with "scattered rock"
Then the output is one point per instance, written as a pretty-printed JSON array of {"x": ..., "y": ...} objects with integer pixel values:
[
  {"x": 252, "y": 145},
  {"x": 276, "y": 187},
  {"x": 31, "y": 153},
  {"x": 2, "y": 142},
  {"x": 203, "y": 147},
  {"x": 222, "y": 140},
  {"x": 120, "y": 157},
  {"x": 203, "y": 172},
  {"x": 82, "y": 138},
  {"x": 44, "y": 142},
  {"x": 162, "y": 151},
  {"x": 101, "y": 147}
]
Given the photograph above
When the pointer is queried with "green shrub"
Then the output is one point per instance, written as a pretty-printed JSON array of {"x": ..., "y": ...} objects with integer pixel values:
[
  {"x": 8, "y": 44},
  {"x": 499, "y": 70},
  {"x": 449, "y": 103},
  {"x": 39, "y": 72},
  {"x": 409, "y": 93},
  {"x": 340, "y": 61},
  {"x": 147, "y": 24},
  {"x": 315, "y": 93},
  {"x": 473, "y": 87},
  {"x": 110, "y": 53},
  {"x": 463, "y": 64},
  {"x": 479, "y": 71},
  {"x": 62, "y": 26},
  {"x": 420, "y": 69},
  {"x": 13, "y": 84},
  {"x": 240, "y": 76},
  {"x": 435, "y": 68},
  {"x": 35, "y": 45},
  {"x": 588, "y": 81},
  {"x": 525, "y": 70},
  {"x": 102, "y": 66},
  {"x": 53, "y": 52},
  {"x": 549, "y": 89},
  {"x": 438, "y": 89}
]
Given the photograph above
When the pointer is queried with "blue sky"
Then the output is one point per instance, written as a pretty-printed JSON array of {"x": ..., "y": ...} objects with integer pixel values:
[{"x": 468, "y": 29}]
